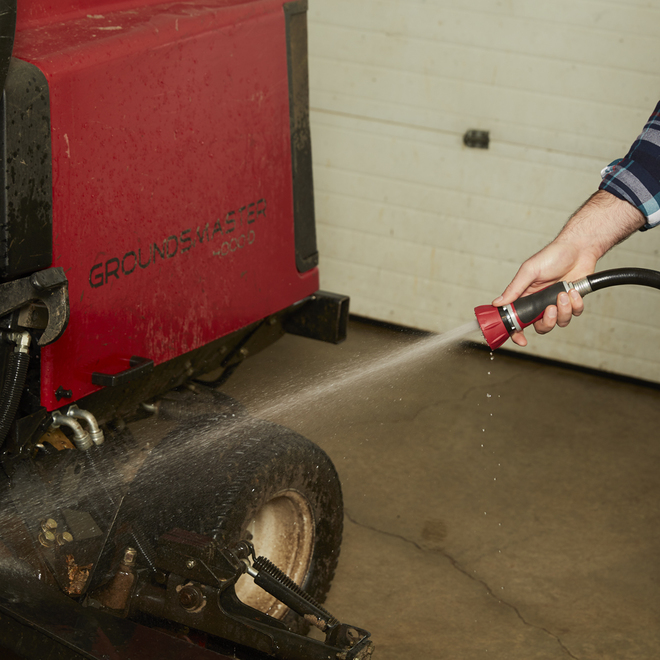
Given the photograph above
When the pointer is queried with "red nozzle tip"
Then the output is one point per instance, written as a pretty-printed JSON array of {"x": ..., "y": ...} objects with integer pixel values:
[{"x": 492, "y": 326}]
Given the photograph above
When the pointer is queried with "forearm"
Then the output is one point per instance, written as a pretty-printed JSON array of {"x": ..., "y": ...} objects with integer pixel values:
[
  {"x": 602, "y": 222},
  {"x": 597, "y": 226}
]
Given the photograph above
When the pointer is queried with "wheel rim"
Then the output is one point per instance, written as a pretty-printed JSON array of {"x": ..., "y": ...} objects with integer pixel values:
[{"x": 283, "y": 531}]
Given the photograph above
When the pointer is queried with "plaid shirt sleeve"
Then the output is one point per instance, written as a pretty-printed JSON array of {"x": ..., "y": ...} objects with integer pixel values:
[{"x": 636, "y": 177}]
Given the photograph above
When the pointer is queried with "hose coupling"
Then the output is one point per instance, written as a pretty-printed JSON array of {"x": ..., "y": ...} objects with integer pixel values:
[
  {"x": 21, "y": 339},
  {"x": 80, "y": 437},
  {"x": 95, "y": 432},
  {"x": 583, "y": 286}
]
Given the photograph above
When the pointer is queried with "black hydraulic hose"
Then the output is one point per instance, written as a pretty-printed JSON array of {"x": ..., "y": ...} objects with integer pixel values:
[
  {"x": 617, "y": 276},
  {"x": 12, "y": 389}
]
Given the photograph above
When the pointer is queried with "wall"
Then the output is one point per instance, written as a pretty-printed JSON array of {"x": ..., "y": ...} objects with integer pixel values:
[{"x": 417, "y": 228}]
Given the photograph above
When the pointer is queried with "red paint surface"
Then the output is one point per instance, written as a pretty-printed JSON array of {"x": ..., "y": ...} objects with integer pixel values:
[{"x": 164, "y": 120}]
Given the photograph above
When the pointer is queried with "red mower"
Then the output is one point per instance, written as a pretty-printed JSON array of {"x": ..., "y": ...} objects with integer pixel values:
[{"x": 157, "y": 226}]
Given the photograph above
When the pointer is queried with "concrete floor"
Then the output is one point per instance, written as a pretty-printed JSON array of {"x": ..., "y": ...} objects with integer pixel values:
[{"x": 494, "y": 508}]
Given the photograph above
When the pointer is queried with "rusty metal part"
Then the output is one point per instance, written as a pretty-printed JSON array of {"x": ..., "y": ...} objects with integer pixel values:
[
  {"x": 78, "y": 576},
  {"x": 56, "y": 438},
  {"x": 116, "y": 594}
]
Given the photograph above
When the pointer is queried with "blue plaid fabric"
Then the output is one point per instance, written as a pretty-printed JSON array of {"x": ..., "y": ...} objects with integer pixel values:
[{"x": 636, "y": 178}]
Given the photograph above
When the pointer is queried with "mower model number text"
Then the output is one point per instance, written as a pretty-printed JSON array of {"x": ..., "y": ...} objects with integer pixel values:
[{"x": 241, "y": 221}]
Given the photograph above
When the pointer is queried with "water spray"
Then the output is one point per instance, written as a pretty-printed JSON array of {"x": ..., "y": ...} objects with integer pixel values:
[{"x": 499, "y": 323}]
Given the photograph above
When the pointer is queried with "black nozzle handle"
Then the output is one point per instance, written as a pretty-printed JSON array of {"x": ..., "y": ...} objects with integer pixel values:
[
  {"x": 530, "y": 308},
  {"x": 497, "y": 322}
]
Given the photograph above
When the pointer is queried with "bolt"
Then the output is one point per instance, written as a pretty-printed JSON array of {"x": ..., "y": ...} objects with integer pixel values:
[
  {"x": 48, "y": 524},
  {"x": 190, "y": 564},
  {"x": 47, "y": 539},
  {"x": 130, "y": 555},
  {"x": 244, "y": 352},
  {"x": 190, "y": 597},
  {"x": 64, "y": 538}
]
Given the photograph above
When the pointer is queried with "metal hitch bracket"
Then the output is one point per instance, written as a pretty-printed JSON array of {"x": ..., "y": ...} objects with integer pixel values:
[
  {"x": 199, "y": 575},
  {"x": 49, "y": 287}
]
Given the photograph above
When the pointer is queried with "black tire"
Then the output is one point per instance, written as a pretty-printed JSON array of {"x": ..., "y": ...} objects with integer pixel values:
[{"x": 222, "y": 479}]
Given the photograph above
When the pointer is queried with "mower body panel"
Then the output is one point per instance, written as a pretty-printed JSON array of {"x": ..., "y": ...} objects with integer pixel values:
[{"x": 173, "y": 194}]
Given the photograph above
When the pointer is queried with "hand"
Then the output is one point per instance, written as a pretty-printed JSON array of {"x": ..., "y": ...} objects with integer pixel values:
[
  {"x": 556, "y": 262},
  {"x": 600, "y": 223}
]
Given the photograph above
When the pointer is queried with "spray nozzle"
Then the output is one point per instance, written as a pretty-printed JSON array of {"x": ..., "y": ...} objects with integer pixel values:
[
  {"x": 499, "y": 323},
  {"x": 491, "y": 324}
]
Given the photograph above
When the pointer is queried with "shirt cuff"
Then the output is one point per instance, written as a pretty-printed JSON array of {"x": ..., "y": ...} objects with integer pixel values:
[{"x": 628, "y": 180}]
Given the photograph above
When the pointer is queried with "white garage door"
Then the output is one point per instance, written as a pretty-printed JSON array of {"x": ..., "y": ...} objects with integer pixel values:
[{"x": 418, "y": 228}]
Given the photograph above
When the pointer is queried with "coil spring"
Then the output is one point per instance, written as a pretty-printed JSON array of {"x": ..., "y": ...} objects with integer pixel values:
[{"x": 267, "y": 566}]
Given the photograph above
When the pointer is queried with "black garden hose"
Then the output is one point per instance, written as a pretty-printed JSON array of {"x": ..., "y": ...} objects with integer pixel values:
[{"x": 618, "y": 276}]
